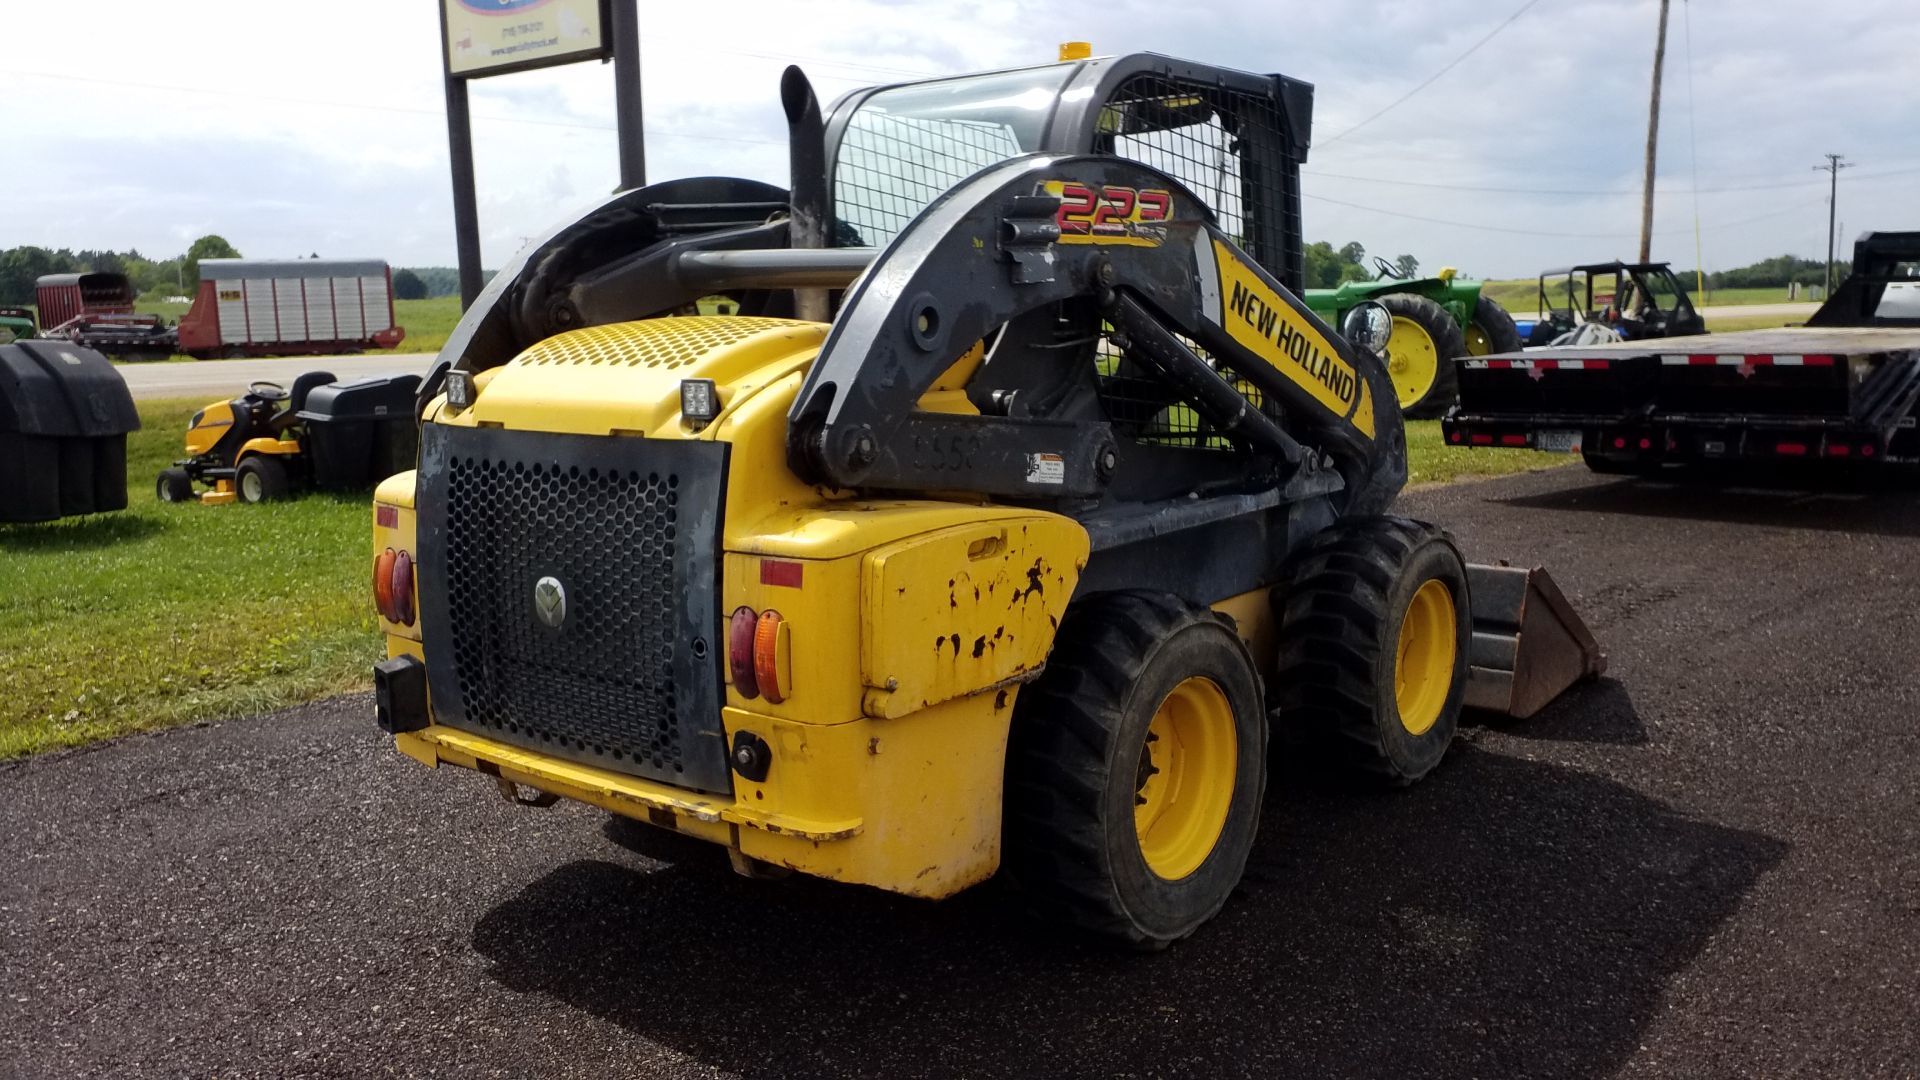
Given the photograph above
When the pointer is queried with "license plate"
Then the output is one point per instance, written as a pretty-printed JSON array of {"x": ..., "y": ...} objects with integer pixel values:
[{"x": 1557, "y": 442}]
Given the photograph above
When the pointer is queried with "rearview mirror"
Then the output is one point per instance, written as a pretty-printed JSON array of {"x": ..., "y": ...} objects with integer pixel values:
[{"x": 1367, "y": 325}]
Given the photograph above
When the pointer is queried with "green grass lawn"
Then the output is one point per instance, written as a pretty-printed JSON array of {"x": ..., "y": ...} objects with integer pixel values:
[
  {"x": 1432, "y": 461},
  {"x": 167, "y": 614},
  {"x": 1522, "y": 297}
]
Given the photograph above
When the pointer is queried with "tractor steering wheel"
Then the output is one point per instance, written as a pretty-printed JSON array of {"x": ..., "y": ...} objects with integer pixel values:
[
  {"x": 1387, "y": 269},
  {"x": 267, "y": 391}
]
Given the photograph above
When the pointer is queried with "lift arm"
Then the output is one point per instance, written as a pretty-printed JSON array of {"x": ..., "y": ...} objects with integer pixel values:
[{"x": 1128, "y": 251}]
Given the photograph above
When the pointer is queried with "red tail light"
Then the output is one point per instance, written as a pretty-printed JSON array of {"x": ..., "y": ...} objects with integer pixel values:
[
  {"x": 740, "y": 632},
  {"x": 393, "y": 586},
  {"x": 383, "y": 583},
  {"x": 403, "y": 589},
  {"x": 1791, "y": 449}
]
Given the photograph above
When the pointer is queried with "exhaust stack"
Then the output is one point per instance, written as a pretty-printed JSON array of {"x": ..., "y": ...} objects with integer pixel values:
[{"x": 807, "y": 194}]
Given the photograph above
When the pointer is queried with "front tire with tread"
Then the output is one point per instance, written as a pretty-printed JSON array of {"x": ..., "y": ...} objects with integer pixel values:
[
  {"x": 1496, "y": 326},
  {"x": 1411, "y": 311},
  {"x": 174, "y": 485},
  {"x": 261, "y": 479},
  {"x": 1075, "y": 767},
  {"x": 1342, "y": 613}
]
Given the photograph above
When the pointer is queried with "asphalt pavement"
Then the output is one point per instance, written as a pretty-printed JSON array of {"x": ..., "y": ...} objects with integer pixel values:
[
  {"x": 1705, "y": 864},
  {"x": 213, "y": 378}
]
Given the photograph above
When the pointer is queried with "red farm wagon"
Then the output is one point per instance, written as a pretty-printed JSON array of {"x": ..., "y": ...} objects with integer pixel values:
[{"x": 286, "y": 307}]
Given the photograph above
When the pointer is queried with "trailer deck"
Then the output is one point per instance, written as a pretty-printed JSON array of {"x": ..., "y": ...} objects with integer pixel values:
[{"x": 1847, "y": 386}]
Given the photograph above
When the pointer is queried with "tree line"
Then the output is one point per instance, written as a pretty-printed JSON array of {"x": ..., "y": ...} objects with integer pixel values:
[
  {"x": 179, "y": 275},
  {"x": 1777, "y": 272},
  {"x": 1326, "y": 267}
]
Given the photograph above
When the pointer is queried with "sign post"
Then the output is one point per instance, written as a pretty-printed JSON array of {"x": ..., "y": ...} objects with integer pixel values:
[{"x": 481, "y": 38}]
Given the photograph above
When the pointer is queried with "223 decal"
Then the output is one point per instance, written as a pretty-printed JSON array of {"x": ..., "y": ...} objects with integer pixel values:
[{"x": 1109, "y": 214}]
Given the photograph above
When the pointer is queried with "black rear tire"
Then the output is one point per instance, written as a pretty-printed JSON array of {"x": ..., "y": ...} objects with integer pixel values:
[
  {"x": 1496, "y": 327},
  {"x": 173, "y": 485},
  {"x": 1345, "y": 633},
  {"x": 261, "y": 479},
  {"x": 1417, "y": 314},
  {"x": 1079, "y": 761}
]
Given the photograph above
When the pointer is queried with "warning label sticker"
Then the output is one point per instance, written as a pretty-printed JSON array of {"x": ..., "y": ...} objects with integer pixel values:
[{"x": 1046, "y": 469}]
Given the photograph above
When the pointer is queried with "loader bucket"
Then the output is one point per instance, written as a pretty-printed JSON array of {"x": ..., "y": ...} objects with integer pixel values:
[{"x": 1528, "y": 645}]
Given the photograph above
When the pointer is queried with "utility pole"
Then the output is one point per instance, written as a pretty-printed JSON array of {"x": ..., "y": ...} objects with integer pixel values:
[
  {"x": 1832, "y": 168},
  {"x": 625, "y": 33},
  {"x": 1653, "y": 138}
]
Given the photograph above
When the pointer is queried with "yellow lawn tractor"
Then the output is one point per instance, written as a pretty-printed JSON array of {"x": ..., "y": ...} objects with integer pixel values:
[
  {"x": 1018, "y": 505},
  {"x": 272, "y": 440}
]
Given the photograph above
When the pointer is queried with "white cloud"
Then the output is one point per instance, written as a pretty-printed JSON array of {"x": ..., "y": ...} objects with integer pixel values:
[{"x": 294, "y": 128}]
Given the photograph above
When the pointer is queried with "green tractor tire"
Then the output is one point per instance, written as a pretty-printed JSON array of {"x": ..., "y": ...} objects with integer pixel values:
[
  {"x": 1492, "y": 329},
  {"x": 1420, "y": 354}
]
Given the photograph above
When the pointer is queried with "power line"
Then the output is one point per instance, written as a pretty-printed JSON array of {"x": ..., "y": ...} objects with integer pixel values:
[
  {"x": 1482, "y": 227},
  {"x": 1403, "y": 98},
  {"x": 1585, "y": 191}
]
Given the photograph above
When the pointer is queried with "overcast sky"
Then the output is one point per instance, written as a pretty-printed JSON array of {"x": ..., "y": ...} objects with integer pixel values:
[{"x": 297, "y": 128}]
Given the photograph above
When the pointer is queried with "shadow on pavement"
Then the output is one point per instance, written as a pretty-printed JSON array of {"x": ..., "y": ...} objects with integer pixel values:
[
  {"x": 1599, "y": 712},
  {"x": 1837, "y": 500},
  {"x": 1504, "y": 917}
]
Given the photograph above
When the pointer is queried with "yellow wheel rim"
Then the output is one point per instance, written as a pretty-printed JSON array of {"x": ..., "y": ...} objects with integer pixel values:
[
  {"x": 1184, "y": 785},
  {"x": 1423, "y": 670},
  {"x": 1479, "y": 343},
  {"x": 1413, "y": 360}
]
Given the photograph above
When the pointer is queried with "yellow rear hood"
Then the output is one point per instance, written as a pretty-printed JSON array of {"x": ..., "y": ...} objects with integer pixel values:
[{"x": 625, "y": 378}]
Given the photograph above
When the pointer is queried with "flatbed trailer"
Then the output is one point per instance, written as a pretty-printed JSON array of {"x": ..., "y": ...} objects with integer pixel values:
[{"x": 1844, "y": 387}]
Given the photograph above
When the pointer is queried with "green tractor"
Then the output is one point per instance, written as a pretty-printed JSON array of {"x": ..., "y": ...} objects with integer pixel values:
[
  {"x": 16, "y": 324},
  {"x": 1434, "y": 320}
]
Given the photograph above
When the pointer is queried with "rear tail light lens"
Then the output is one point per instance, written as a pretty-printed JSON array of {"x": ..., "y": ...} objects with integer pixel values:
[
  {"x": 769, "y": 650},
  {"x": 403, "y": 589},
  {"x": 759, "y": 658},
  {"x": 393, "y": 586},
  {"x": 383, "y": 583},
  {"x": 740, "y": 633}
]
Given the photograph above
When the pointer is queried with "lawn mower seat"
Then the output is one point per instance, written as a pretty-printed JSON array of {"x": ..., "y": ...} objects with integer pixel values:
[{"x": 297, "y": 398}]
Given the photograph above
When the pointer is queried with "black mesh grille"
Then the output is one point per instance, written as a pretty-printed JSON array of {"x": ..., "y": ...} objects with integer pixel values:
[
  {"x": 1221, "y": 145},
  {"x": 1228, "y": 146},
  {"x": 628, "y": 680}
]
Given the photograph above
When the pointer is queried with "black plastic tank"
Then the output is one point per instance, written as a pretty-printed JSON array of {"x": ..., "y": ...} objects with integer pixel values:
[
  {"x": 361, "y": 432},
  {"x": 64, "y": 418}
]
